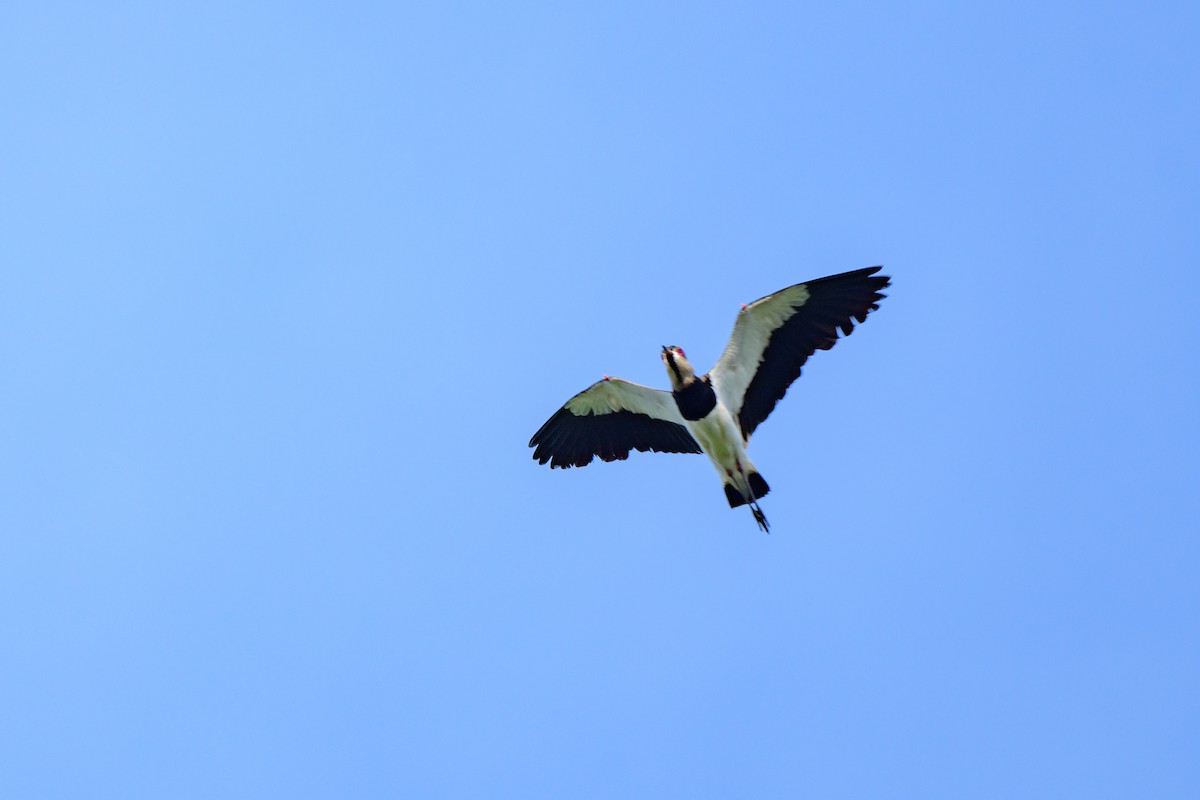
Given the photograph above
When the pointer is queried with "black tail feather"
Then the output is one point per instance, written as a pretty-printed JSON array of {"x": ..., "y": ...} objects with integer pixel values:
[{"x": 758, "y": 485}]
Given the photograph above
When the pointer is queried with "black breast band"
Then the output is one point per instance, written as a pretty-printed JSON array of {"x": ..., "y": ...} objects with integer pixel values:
[{"x": 696, "y": 400}]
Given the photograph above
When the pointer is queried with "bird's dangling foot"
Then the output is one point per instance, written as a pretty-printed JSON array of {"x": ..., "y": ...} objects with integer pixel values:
[{"x": 759, "y": 517}]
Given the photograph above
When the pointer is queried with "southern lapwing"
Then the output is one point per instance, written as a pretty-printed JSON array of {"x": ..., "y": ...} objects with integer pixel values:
[{"x": 715, "y": 413}]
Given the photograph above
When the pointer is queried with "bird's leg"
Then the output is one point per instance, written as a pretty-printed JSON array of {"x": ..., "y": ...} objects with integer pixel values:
[
  {"x": 759, "y": 517},
  {"x": 752, "y": 502}
]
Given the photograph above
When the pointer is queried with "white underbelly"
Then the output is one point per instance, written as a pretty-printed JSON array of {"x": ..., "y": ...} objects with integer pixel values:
[{"x": 721, "y": 441}]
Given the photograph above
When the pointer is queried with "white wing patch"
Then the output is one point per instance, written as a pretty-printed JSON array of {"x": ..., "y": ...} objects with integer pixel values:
[
  {"x": 613, "y": 394},
  {"x": 734, "y": 370}
]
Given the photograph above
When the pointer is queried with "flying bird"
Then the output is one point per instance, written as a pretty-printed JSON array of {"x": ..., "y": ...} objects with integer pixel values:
[{"x": 715, "y": 413}]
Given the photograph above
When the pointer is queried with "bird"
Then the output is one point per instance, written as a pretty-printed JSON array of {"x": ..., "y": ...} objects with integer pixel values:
[{"x": 715, "y": 413}]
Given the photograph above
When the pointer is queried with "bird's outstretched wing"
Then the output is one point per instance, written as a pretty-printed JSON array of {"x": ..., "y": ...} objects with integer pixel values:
[
  {"x": 775, "y": 335},
  {"x": 608, "y": 419}
]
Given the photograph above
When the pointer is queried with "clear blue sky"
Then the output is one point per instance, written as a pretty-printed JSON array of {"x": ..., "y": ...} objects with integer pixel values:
[{"x": 287, "y": 288}]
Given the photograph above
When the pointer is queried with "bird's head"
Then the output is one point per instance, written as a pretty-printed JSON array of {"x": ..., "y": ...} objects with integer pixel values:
[{"x": 679, "y": 369}]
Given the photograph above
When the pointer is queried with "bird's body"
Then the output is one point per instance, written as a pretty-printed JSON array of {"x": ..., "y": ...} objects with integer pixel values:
[
  {"x": 722, "y": 442},
  {"x": 711, "y": 424},
  {"x": 714, "y": 413}
]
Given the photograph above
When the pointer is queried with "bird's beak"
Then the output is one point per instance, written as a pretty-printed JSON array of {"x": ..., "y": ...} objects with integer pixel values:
[{"x": 664, "y": 348}]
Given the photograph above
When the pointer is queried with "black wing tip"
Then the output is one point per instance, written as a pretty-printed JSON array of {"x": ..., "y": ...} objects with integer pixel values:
[
  {"x": 876, "y": 282},
  {"x": 563, "y": 443},
  {"x": 863, "y": 283},
  {"x": 860, "y": 272}
]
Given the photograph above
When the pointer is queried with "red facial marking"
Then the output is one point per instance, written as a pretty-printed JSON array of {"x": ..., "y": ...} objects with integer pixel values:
[
  {"x": 743, "y": 306},
  {"x": 606, "y": 378},
  {"x": 680, "y": 351}
]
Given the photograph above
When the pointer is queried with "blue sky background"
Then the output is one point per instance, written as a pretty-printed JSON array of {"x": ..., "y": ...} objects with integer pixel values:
[{"x": 287, "y": 288}]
